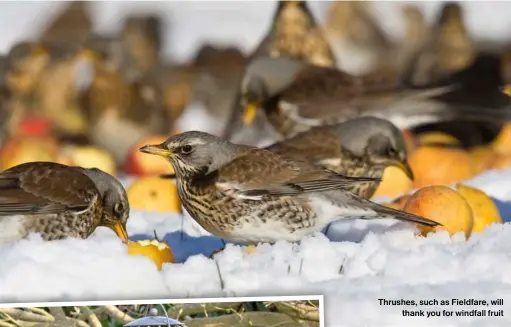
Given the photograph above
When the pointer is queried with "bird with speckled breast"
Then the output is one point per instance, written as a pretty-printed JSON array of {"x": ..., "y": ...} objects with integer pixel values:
[
  {"x": 360, "y": 147},
  {"x": 247, "y": 194},
  {"x": 60, "y": 201}
]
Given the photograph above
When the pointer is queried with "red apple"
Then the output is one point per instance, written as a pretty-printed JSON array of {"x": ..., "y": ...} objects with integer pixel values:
[{"x": 35, "y": 126}]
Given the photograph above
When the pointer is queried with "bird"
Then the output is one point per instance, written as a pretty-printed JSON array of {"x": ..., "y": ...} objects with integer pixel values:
[
  {"x": 295, "y": 96},
  {"x": 120, "y": 111},
  {"x": 58, "y": 89},
  {"x": 483, "y": 84},
  {"x": 142, "y": 40},
  {"x": 218, "y": 73},
  {"x": 25, "y": 63},
  {"x": 247, "y": 194},
  {"x": 449, "y": 49},
  {"x": 60, "y": 201},
  {"x": 70, "y": 28},
  {"x": 358, "y": 40},
  {"x": 359, "y": 147},
  {"x": 293, "y": 33},
  {"x": 22, "y": 68}
]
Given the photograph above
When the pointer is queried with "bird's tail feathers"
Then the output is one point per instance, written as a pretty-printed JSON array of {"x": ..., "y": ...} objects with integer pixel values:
[{"x": 386, "y": 212}]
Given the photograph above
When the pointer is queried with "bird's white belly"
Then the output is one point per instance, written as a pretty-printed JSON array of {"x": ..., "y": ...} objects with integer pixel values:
[
  {"x": 327, "y": 212},
  {"x": 12, "y": 228},
  {"x": 254, "y": 230}
]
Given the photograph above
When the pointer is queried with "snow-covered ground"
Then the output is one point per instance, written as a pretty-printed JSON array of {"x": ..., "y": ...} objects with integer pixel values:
[{"x": 361, "y": 263}]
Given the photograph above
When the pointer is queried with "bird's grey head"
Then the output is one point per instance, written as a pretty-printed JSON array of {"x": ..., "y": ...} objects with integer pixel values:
[
  {"x": 377, "y": 139},
  {"x": 192, "y": 153},
  {"x": 116, "y": 207},
  {"x": 265, "y": 77}
]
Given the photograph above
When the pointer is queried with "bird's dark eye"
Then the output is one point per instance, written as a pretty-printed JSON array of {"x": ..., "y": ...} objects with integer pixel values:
[
  {"x": 391, "y": 152},
  {"x": 118, "y": 207},
  {"x": 186, "y": 149}
]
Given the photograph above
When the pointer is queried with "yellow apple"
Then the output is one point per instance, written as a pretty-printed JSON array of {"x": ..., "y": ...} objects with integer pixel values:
[
  {"x": 89, "y": 157},
  {"x": 433, "y": 165},
  {"x": 502, "y": 143},
  {"x": 158, "y": 252},
  {"x": 152, "y": 193},
  {"x": 394, "y": 182},
  {"x": 24, "y": 149},
  {"x": 436, "y": 138},
  {"x": 484, "y": 209}
]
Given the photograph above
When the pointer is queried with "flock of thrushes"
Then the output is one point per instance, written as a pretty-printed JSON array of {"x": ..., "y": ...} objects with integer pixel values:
[{"x": 334, "y": 132}]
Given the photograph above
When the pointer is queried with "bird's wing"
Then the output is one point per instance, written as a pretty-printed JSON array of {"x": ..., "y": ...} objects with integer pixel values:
[
  {"x": 259, "y": 172},
  {"x": 316, "y": 145},
  {"x": 44, "y": 188},
  {"x": 321, "y": 93}
]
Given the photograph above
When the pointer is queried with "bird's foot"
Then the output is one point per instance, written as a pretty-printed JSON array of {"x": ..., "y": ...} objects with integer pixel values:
[{"x": 249, "y": 249}]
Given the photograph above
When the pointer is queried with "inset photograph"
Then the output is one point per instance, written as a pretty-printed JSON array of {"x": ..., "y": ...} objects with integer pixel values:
[{"x": 235, "y": 312}]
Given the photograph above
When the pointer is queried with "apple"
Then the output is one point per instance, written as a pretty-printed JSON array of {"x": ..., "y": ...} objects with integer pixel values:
[
  {"x": 409, "y": 138},
  {"x": 138, "y": 163},
  {"x": 392, "y": 205},
  {"x": 35, "y": 126},
  {"x": 158, "y": 252},
  {"x": 443, "y": 205},
  {"x": 432, "y": 165},
  {"x": 394, "y": 182},
  {"x": 501, "y": 162},
  {"x": 153, "y": 193},
  {"x": 484, "y": 209},
  {"x": 436, "y": 138},
  {"x": 483, "y": 157},
  {"x": 22, "y": 149},
  {"x": 398, "y": 203},
  {"x": 502, "y": 143},
  {"x": 89, "y": 157}
]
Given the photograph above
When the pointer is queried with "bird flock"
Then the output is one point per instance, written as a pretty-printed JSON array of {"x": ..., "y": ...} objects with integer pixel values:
[{"x": 333, "y": 132}]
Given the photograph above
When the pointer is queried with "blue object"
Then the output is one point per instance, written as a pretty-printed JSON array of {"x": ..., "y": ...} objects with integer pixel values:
[{"x": 155, "y": 321}]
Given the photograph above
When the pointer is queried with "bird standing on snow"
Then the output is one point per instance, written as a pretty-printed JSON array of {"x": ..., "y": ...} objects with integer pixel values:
[
  {"x": 361, "y": 147},
  {"x": 60, "y": 201},
  {"x": 246, "y": 194}
]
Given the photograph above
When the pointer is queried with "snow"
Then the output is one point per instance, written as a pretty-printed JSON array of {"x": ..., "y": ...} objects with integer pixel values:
[{"x": 359, "y": 263}]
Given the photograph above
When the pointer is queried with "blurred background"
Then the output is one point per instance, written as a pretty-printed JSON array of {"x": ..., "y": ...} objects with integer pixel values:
[
  {"x": 240, "y": 23},
  {"x": 88, "y": 80}
]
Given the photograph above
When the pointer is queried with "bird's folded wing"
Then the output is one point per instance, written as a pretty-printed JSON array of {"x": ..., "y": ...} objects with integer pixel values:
[
  {"x": 259, "y": 172},
  {"x": 321, "y": 93},
  {"x": 42, "y": 189}
]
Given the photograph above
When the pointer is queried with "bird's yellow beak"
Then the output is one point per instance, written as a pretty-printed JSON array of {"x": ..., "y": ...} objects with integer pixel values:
[
  {"x": 89, "y": 55},
  {"x": 405, "y": 167},
  {"x": 249, "y": 113},
  {"x": 120, "y": 230},
  {"x": 506, "y": 89},
  {"x": 38, "y": 50},
  {"x": 158, "y": 149}
]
